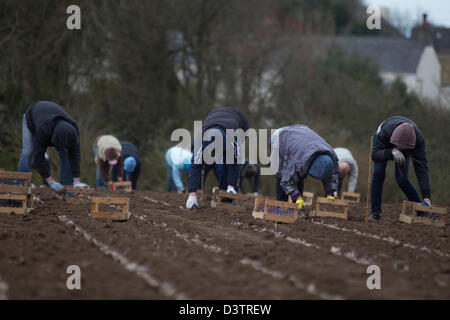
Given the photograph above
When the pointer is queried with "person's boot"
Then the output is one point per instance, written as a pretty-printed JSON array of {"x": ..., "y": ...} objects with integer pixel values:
[{"x": 374, "y": 217}]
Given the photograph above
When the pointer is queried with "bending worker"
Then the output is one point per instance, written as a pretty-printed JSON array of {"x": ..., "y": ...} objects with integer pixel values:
[
  {"x": 46, "y": 124},
  {"x": 108, "y": 153},
  {"x": 216, "y": 123},
  {"x": 177, "y": 161},
  {"x": 302, "y": 152},
  {"x": 348, "y": 167},
  {"x": 131, "y": 164},
  {"x": 399, "y": 139}
]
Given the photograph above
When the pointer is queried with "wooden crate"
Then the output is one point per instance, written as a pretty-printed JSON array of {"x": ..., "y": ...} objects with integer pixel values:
[
  {"x": 308, "y": 197},
  {"x": 117, "y": 216},
  {"x": 273, "y": 210},
  {"x": 351, "y": 197},
  {"x": 78, "y": 194},
  {"x": 218, "y": 195},
  {"x": 436, "y": 215},
  {"x": 123, "y": 186},
  {"x": 338, "y": 204},
  {"x": 16, "y": 186}
]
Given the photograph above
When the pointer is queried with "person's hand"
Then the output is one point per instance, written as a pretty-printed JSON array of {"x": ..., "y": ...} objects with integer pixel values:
[
  {"x": 79, "y": 185},
  {"x": 398, "y": 156},
  {"x": 56, "y": 186},
  {"x": 191, "y": 202},
  {"x": 300, "y": 202},
  {"x": 427, "y": 202},
  {"x": 180, "y": 191}
]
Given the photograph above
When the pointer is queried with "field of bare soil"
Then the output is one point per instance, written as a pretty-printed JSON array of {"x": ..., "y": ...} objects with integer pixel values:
[{"x": 167, "y": 252}]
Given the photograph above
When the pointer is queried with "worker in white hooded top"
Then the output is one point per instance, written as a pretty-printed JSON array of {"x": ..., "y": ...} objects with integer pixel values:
[{"x": 348, "y": 167}]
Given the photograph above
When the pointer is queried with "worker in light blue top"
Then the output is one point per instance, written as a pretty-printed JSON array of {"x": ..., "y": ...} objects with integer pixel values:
[{"x": 177, "y": 161}]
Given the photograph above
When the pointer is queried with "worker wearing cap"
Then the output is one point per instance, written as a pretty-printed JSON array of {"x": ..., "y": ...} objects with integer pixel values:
[
  {"x": 399, "y": 139},
  {"x": 347, "y": 167},
  {"x": 131, "y": 164},
  {"x": 178, "y": 160},
  {"x": 301, "y": 153},
  {"x": 107, "y": 153}
]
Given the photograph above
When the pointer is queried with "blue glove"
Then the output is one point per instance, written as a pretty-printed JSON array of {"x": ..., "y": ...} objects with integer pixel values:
[
  {"x": 56, "y": 186},
  {"x": 427, "y": 202}
]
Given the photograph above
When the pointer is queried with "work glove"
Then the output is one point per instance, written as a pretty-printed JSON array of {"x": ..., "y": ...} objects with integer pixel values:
[
  {"x": 56, "y": 186},
  {"x": 230, "y": 189},
  {"x": 191, "y": 202},
  {"x": 120, "y": 180},
  {"x": 398, "y": 156},
  {"x": 330, "y": 197},
  {"x": 300, "y": 202},
  {"x": 111, "y": 185},
  {"x": 80, "y": 185},
  {"x": 427, "y": 202}
]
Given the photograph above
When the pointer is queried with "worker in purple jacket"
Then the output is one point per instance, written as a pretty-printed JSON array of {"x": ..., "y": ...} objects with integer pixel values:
[
  {"x": 301, "y": 153},
  {"x": 399, "y": 139}
]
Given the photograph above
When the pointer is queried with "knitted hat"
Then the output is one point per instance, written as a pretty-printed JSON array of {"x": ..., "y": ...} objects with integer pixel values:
[
  {"x": 129, "y": 164},
  {"x": 404, "y": 136},
  {"x": 322, "y": 167}
]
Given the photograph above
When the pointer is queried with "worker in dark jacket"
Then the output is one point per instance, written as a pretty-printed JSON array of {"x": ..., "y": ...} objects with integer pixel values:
[
  {"x": 252, "y": 173},
  {"x": 399, "y": 139},
  {"x": 46, "y": 124},
  {"x": 302, "y": 152},
  {"x": 131, "y": 164},
  {"x": 216, "y": 123}
]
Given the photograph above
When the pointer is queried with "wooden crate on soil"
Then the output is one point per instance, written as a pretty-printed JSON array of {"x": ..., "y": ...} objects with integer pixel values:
[
  {"x": 308, "y": 197},
  {"x": 273, "y": 210},
  {"x": 434, "y": 216},
  {"x": 218, "y": 197},
  {"x": 74, "y": 195},
  {"x": 325, "y": 207},
  {"x": 351, "y": 197},
  {"x": 116, "y": 216},
  {"x": 123, "y": 186},
  {"x": 15, "y": 188}
]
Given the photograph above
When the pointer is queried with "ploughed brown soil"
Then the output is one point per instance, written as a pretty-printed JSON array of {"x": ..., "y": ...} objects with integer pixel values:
[{"x": 167, "y": 252}]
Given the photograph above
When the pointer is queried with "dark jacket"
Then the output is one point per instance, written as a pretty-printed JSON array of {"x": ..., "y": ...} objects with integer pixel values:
[
  {"x": 382, "y": 150},
  {"x": 129, "y": 149},
  {"x": 299, "y": 146},
  {"x": 42, "y": 118},
  {"x": 226, "y": 118}
]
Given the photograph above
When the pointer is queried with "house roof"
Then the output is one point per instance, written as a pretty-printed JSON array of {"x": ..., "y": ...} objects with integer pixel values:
[{"x": 391, "y": 54}]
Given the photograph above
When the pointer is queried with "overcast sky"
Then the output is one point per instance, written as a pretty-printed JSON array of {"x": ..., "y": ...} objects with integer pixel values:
[{"x": 438, "y": 10}]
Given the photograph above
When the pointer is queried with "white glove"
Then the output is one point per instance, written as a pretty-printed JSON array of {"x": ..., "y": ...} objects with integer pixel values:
[
  {"x": 399, "y": 158},
  {"x": 80, "y": 185},
  {"x": 56, "y": 186},
  {"x": 230, "y": 189},
  {"x": 191, "y": 202}
]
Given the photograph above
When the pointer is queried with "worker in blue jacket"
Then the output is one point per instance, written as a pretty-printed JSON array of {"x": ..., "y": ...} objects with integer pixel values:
[{"x": 177, "y": 161}]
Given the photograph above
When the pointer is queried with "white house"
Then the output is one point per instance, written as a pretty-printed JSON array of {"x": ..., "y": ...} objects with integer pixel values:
[{"x": 418, "y": 66}]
